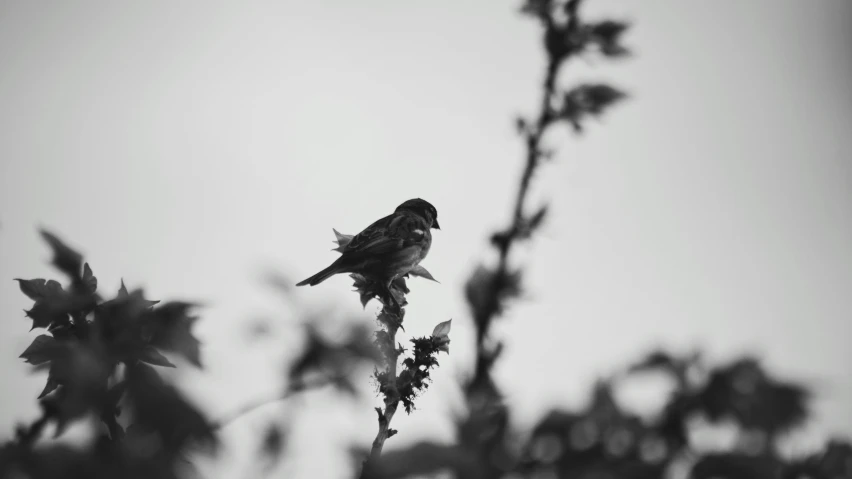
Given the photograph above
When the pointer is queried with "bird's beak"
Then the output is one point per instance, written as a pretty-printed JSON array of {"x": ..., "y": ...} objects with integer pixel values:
[{"x": 435, "y": 224}]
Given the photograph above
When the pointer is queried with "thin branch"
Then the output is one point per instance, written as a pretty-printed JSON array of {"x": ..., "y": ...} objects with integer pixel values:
[
  {"x": 392, "y": 397},
  {"x": 533, "y": 160},
  {"x": 227, "y": 419}
]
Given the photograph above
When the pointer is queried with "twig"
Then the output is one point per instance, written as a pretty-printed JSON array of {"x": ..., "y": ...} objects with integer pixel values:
[
  {"x": 533, "y": 157},
  {"x": 258, "y": 403},
  {"x": 562, "y": 41},
  {"x": 392, "y": 392}
]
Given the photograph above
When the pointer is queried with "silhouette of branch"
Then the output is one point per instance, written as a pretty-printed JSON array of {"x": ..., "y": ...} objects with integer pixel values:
[
  {"x": 398, "y": 385},
  {"x": 391, "y": 317},
  {"x": 489, "y": 288},
  {"x": 246, "y": 409}
]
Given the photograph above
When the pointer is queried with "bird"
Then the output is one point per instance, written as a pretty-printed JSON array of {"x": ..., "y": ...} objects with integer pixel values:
[{"x": 387, "y": 249}]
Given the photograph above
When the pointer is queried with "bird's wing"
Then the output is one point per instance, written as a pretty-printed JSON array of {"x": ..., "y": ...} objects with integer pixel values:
[
  {"x": 370, "y": 234},
  {"x": 390, "y": 233}
]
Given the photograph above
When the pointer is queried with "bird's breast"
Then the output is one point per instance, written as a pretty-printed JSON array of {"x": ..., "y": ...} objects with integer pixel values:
[{"x": 426, "y": 244}]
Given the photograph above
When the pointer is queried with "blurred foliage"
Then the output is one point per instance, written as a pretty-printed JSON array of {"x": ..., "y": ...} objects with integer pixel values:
[
  {"x": 97, "y": 354},
  {"x": 604, "y": 440},
  {"x": 101, "y": 358}
]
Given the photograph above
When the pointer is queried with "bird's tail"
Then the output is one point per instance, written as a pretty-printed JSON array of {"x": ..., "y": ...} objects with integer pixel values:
[{"x": 321, "y": 276}]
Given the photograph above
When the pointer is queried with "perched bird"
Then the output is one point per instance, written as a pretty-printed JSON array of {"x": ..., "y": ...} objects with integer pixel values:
[{"x": 388, "y": 248}]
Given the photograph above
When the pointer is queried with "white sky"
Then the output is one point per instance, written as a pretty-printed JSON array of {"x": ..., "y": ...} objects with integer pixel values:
[{"x": 189, "y": 146}]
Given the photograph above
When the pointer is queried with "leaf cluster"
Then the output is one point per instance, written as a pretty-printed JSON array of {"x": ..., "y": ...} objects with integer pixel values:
[
  {"x": 97, "y": 354},
  {"x": 414, "y": 377}
]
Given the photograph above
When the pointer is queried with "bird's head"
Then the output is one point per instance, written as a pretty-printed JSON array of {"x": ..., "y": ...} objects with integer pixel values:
[{"x": 422, "y": 208}]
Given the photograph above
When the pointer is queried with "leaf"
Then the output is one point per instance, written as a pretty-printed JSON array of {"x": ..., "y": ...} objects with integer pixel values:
[
  {"x": 421, "y": 272},
  {"x": 368, "y": 289},
  {"x": 43, "y": 315},
  {"x": 125, "y": 323},
  {"x": 35, "y": 289},
  {"x": 90, "y": 283},
  {"x": 655, "y": 360},
  {"x": 49, "y": 387},
  {"x": 125, "y": 306},
  {"x": 82, "y": 372},
  {"x": 52, "y": 303},
  {"x": 521, "y": 125},
  {"x": 398, "y": 290},
  {"x": 599, "y": 97},
  {"x": 442, "y": 329},
  {"x": 151, "y": 356},
  {"x": 342, "y": 240},
  {"x": 172, "y": 331},
  {"x": 38, "y": 289},
  {"x": 525, "y": 229},
  {"x": 587, "y": 100},
  {"x": 607, "y": 35},
  {"x": 162, "y": 409},
  {"x": 537, "y": 8},
  {"x": 65, "y": 259},
  {"x": 488, "y": 291},
  {"x": 440, "y": 336},
  {"x": 536, "y": 220},
  {"x": 42, "y": 350},
  {"x": 362, "y": 286}
]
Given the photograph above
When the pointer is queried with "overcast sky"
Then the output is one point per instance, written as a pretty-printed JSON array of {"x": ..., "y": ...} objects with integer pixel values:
[{"x": 189, "y": 146}]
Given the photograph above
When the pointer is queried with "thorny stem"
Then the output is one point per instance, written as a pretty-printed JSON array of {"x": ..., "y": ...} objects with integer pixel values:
[{"x": 392, "y": 396}]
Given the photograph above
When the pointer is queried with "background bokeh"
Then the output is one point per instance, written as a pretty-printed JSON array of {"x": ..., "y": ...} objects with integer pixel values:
[{"x": 191, "y": 147}]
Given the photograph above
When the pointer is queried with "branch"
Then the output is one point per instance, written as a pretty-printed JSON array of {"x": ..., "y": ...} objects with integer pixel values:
[
  {"x": 399, "y": 387},
  {"x": 227, "y": 419},
  {"x": 505, "y": 240},
  {"x": 392, "y": 320},
  {"x": 489, "y": 288}
]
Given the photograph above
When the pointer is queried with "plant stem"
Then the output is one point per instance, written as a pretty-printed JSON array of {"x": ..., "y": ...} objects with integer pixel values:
[
  {"x": 533, "y": 158},
  {"x": 248, "y": 408},
  {"x": 391, "y": 398},
  {"x": 392, "y": 392}
]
